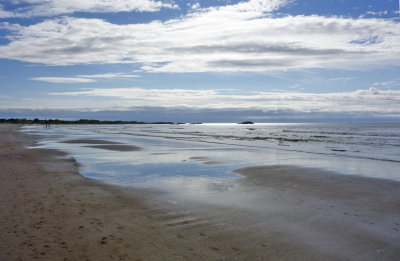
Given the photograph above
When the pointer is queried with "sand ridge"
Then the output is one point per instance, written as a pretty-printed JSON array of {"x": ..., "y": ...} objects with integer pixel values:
[
  {"x": 91, "y": 141},
  {"x": 116, "y": 147}
]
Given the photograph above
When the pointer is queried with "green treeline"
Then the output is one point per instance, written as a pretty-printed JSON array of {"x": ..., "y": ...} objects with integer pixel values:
[{"x": 81, "y": 121}]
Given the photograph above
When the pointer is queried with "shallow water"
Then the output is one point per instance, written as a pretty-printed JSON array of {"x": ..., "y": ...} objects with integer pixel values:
[{"x": 199, "y": 158}]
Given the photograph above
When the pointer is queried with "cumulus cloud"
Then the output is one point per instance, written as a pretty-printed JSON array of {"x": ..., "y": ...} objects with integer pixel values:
[
  {"x": 193, "y": 6},
  {"x": 371, "y": 100},
  {"x": 241, "y": 37},
  {"x": 62, "y": 79},
  {"x": 33, "y": 8}
]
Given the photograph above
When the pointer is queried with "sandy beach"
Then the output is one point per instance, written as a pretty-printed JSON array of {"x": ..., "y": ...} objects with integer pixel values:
[{"x": 49, "y": 211}]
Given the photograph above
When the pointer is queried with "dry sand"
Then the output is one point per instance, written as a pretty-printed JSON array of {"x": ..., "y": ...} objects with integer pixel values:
[{"x": 50, "y": 212}]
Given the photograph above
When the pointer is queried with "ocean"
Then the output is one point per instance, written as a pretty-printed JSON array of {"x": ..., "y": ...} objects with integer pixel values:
[{"x": 201, "y": 157}]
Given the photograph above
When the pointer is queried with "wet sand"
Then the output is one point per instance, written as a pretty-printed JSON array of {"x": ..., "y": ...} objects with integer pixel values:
[
  {"x": 207, "y": 161},
  {"x": 50, "y": 212},
  {"x": 95, "y": 142},
  {"x": 116, "y": 147},
  {"x": 344, "y": 217},
  {"x": 104, "y": 145}
]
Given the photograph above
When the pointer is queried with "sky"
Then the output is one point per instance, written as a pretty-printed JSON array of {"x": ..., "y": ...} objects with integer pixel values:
[{"x": 201, "y": 61}]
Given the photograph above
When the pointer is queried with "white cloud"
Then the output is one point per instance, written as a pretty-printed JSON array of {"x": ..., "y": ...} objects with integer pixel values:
[
  {"x": 4, "y": 13},
  {"x": 169, "y": 96},
  {"x": 379, "y": 13},
  {"x": 241, "y": 37},
  {"x": 56, "y": 7},
  {"x": 62, "y": 79},
  {"x": 372, "y": 100},
  {"x": 85, "y": 78},
  {"x": 387, "y": 84},
  {"x": 344, "y": 79},
  {"x": 194, "y": 6},
  {"x": 110, "y": 76}
]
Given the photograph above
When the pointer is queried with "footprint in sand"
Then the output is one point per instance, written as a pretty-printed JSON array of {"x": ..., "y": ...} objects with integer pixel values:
[{"x": 103, "y": 240}]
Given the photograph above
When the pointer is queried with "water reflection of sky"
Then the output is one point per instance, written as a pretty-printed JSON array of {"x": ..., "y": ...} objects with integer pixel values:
[
  {"x": 152, "y": 174},
  {"x": 172, "y": 164}
]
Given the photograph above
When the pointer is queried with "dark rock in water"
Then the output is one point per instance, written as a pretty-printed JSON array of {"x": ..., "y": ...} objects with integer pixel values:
[{"x": 247, "y": 122}]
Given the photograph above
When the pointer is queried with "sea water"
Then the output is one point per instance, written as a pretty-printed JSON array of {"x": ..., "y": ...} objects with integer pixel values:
[{"x": 201, "y": 157}]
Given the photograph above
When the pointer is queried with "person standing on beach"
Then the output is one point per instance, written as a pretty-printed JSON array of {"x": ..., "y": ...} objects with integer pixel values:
[{"x": 47, "y": 123}]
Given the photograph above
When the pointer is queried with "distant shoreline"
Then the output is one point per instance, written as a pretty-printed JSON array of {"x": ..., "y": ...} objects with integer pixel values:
[
  {"x": 81, "y": 121},
  {"x": 91, "y": 121}
]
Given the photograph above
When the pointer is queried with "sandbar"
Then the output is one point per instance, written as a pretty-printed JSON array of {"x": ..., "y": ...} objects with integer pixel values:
[
  {"x": 118, "y": 147},
  {"x": 87, "y": 141},
  {"x": 207, "y": 160},
  {"x": 104, "y": 144}
]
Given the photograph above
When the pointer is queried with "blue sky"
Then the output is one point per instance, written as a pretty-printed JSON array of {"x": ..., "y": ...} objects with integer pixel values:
[{"x": 209, "y": 61}]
